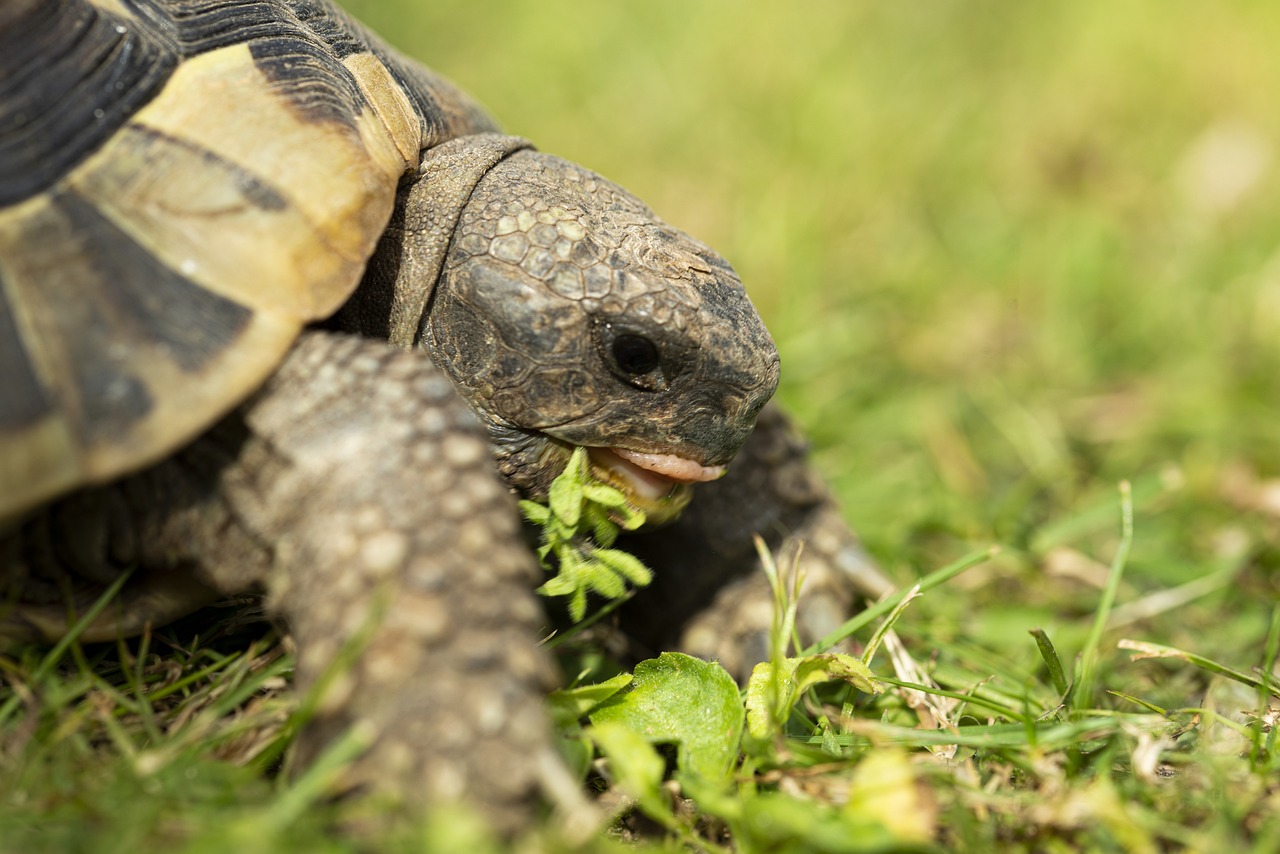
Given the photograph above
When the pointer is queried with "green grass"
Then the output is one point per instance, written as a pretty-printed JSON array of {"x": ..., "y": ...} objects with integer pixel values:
[{"x": 1014, "y": 255}]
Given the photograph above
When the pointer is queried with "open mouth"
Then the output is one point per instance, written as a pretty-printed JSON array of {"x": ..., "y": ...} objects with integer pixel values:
[{"x": 658, "y": 484}]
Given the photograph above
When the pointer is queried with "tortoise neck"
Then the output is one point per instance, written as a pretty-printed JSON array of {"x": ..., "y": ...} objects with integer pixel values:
[{"x": 394, "y": 297}]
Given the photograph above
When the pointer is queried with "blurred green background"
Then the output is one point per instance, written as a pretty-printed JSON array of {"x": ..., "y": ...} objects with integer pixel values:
[{"x": 1012, "y": 253}]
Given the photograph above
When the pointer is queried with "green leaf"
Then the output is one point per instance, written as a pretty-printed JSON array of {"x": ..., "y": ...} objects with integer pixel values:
[
  {"x": 561, "y": 585},
  {"x": 637, "y": 768},
  {"x": 770, "y": 696},
  {"x": 580, "y": 509},
  {"x": 885, "y": 790},
  {"x": 603, "y": 494},
  {"x": 536, "y": 513},
  {"x": 772, "y": 821},
  {"x": 578, "y": 604},
  {"x": 682, "y": 700},
  {"x": 569, "y": 705},
  {"x": 768, "y": 709},
  {"x": 626, "y": 565},
  {"x": 570, "y": 559},
  {"x": 631, "y": 518},
  {"x": 565, "y": 497},
  {"x": 833, "y": 666},
  {"x": 604, "y": 581},
  {"x": 603, "y": 529}
]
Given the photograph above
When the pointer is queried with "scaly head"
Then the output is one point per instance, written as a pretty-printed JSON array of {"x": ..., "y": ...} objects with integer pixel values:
[{"x": 569, "y": 314}]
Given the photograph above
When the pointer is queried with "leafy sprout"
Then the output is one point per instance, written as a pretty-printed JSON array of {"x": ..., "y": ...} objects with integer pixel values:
[{"x": 580, "y": 523}]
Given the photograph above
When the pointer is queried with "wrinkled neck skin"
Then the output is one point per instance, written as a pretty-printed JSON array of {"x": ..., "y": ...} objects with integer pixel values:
[{"x": 568, "y": 314}]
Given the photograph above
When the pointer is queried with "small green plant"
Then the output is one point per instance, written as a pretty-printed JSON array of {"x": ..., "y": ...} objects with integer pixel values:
[
  {"x": 580, "y": 522},
  {"x": 732, "y": 748}
]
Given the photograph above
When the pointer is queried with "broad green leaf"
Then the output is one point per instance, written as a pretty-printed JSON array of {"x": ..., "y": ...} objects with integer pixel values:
[
  {"x": 572, "y": 704},
  {"x": 682, "y": 700}
]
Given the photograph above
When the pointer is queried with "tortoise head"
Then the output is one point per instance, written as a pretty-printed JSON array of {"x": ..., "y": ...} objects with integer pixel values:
[{"x": 569, "y": 314}]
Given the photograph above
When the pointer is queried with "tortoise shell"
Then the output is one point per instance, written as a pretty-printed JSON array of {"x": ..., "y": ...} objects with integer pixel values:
[{"x": 184, "y": 184}]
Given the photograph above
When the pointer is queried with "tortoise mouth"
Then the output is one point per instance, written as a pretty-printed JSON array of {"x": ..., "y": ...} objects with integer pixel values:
[
  {"x": 648, "y": 467},
  {"x": 657, "y": 484}
]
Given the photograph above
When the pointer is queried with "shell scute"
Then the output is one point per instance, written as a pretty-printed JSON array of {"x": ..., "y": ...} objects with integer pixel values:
[{"x": 184, "y": 184}]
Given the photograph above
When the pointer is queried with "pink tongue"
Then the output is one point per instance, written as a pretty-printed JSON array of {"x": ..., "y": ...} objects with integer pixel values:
[{"x": 669, "y": 465}]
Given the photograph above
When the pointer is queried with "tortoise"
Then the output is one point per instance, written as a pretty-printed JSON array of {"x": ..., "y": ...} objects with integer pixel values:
[{"x": 282, "y": 309}]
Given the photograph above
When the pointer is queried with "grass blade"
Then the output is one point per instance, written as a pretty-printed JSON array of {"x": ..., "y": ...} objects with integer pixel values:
[
  {"x": 884, "y": 606},
  {"x": 1082, "y": 696},
  {"x": 1051, "y": 660},
  {"x": 1145, "y": 649}
]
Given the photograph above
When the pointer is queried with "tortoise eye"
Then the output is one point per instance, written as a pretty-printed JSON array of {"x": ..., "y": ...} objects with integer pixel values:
[{"x": 635, "y": 354}]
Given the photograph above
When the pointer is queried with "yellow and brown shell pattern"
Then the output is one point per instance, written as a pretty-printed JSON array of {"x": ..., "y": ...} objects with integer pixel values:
[{"x": 183, "y": 185}]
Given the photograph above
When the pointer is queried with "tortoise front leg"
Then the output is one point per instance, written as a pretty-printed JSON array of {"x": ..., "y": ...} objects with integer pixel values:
[
  {"x": 360, "y": 492},
  {"x": 393, "y": 539}
]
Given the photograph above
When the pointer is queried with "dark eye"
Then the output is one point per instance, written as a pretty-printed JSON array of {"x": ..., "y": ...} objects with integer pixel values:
[{"x": 634, "y": 354}]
